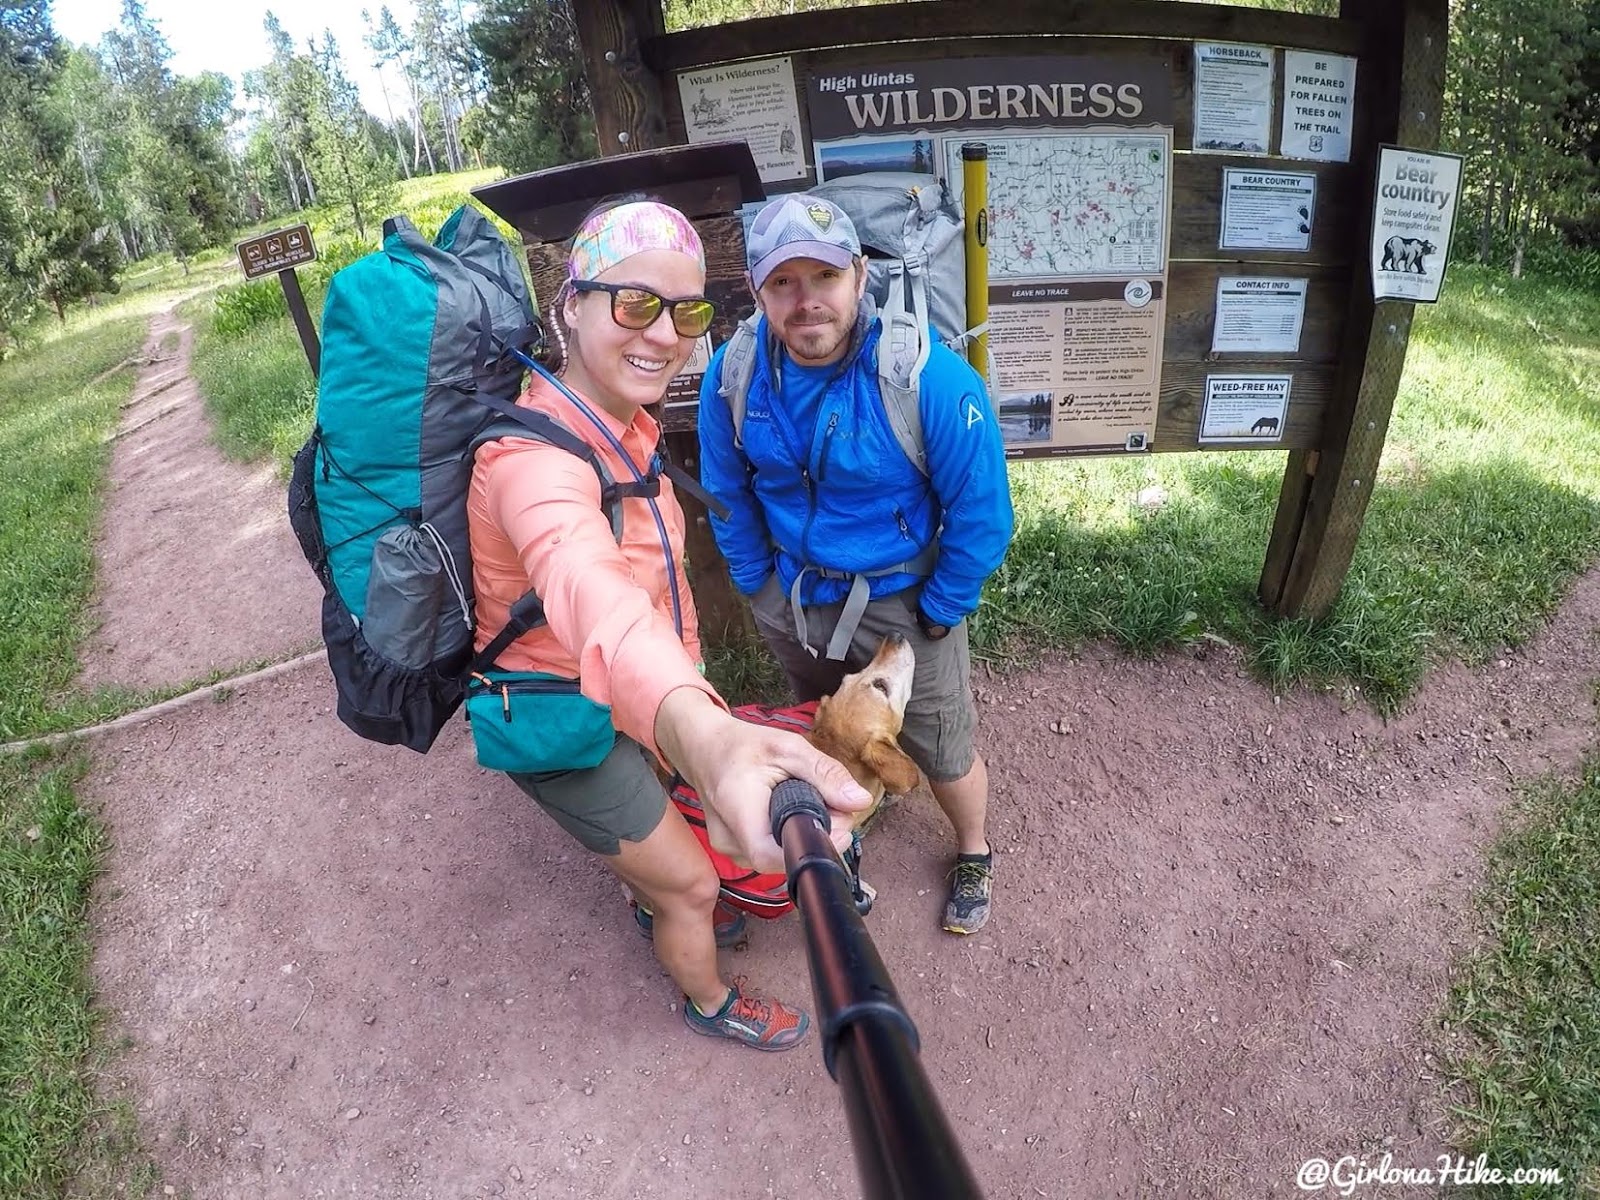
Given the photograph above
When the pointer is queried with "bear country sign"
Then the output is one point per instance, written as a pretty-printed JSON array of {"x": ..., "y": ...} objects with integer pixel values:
[{"x": 1413, "y": 215}]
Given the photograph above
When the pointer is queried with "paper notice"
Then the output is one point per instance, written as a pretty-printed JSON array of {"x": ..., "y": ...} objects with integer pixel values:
[
  {"x": 751, "y": 100},
  {"x": 1414, "y": 212},
  {"x": 1232, "y": 97},
  {"x": 1259, "y": 316},
  {"x": 1267, "y": 211},
  {"x": 1319, "y": 92},
  {"x": 1245, "y": 408}
]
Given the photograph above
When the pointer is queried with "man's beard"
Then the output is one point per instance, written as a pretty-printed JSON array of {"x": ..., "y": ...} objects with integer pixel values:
[{"x": 818, "y": 339}]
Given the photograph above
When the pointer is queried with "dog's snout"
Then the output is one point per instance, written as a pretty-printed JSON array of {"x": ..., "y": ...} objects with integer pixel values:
[{"x": 896, "y": 640}]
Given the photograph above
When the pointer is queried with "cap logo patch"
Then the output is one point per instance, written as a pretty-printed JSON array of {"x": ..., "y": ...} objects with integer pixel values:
[{"x": 821, "y": 215}]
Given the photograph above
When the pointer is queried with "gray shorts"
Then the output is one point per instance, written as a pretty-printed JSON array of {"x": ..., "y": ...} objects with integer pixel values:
[
  {"x": 941, "y": 717},
  {"x": 621, "y": 800}
]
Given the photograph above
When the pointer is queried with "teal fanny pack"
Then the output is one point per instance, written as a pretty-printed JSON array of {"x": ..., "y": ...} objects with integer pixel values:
[{"x": 527, "y": 721}]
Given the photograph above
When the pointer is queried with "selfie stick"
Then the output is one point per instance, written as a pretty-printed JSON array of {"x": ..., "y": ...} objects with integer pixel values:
[{"x": 904, "y": 1146}]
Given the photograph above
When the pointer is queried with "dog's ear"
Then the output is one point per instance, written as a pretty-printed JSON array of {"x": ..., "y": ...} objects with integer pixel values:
[{"x": 892, "y": 765}]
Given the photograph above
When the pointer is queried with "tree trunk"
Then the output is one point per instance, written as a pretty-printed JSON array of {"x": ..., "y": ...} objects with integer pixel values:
[
  {"x": 419, "y": 137},
  {"x": 88, "y": 171},
  {"x": 394, "y": 128},
  {"x": 294, "y": 184},
  {"x": 452, "y": 147}
]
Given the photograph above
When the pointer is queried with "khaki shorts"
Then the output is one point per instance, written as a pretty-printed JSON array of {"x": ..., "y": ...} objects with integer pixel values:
[
  {"x": 621, "y": 800},
  {"x": 941, "y": 717}
]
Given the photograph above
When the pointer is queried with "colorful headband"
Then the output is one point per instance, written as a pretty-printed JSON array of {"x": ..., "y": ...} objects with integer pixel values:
[{"x": 609, "y": 237}]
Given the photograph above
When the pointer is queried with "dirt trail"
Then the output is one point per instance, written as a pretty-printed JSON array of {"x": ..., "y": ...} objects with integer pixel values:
[
  {"x": 197, "y": 568},
  {"x": 1223, "y": 924}
]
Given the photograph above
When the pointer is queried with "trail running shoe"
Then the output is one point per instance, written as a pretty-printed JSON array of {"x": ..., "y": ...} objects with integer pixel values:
[
  {"x": 759, "y": 1023},
  {"x": 970, "y": 891},
  {"x": 728, "y": 924}
]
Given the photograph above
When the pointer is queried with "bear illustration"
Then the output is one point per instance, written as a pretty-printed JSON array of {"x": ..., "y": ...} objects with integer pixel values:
[{"x": 1406, "y": 254}]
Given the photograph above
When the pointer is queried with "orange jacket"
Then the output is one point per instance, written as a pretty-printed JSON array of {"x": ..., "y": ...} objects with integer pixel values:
[{"x": 534, "y": 518}]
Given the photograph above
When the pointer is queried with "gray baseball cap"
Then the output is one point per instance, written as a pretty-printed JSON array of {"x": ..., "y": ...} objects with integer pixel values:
[{"x": 799, "y": 226}]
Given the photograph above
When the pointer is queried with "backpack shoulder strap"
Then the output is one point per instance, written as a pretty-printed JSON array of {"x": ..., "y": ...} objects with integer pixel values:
[
  {"x": 738, "y": 369},
  {"x": 661, "y": 463},
  {"x": 898, "y": 381},
  {"x": 517, "y": 421}
]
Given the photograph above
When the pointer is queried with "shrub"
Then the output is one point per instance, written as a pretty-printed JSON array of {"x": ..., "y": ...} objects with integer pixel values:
[{"x": 244, "y": 306}]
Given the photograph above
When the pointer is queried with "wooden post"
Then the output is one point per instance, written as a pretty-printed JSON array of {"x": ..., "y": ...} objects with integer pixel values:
[
  {"x": 628, "y": 113},
  {"x": 296, "y": 300},
  {"x": 1325, "y": 492}
]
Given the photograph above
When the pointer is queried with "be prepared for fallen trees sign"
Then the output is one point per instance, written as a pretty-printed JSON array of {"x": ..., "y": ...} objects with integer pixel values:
[{"x": 1414, "y": 213}]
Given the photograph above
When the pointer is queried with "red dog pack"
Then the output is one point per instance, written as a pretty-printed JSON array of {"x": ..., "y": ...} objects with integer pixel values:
[{"x": 759, "y": 893}]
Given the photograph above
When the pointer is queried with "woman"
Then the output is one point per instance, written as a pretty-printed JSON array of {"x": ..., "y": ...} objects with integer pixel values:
[{"x": 621, "y": 620}]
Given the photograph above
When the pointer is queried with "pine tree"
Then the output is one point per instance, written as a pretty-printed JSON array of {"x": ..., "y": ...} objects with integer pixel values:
[
  {"x": 348, "y": 165},
  {"x": 378, "y": 43},
  {"x": 390, "y": 42},
  {"x": 538, "y": 112},
  {"x": 55, "y": 244},
  {"x": 176, "y": 167},
  {"x": 1513, "y": 73}
]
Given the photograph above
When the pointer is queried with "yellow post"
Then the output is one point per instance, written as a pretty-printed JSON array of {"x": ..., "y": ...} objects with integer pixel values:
[{"x": 975, "y": 191}]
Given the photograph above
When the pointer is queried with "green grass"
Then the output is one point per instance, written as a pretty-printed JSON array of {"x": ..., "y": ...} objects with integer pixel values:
[
  {"x": 258, "y": 387},
  {"x": 1527, "y": 1006},
  {"x": 55, "y": 422},
  {"x": 49, "y": 850},
  {"x": 55, "y": 1132}
]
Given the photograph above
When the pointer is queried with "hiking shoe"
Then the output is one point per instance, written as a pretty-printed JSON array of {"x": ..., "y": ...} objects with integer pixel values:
[
  {"x": 728, "y": 924},
  {"x": 759, "y": 1023},
  {"x": 970, "y": 889}
]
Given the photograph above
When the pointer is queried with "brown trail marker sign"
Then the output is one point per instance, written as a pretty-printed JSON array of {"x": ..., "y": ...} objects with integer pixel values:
[
  {"x": 1179, "y": 202},
  {"x": 282, "y": 250}
]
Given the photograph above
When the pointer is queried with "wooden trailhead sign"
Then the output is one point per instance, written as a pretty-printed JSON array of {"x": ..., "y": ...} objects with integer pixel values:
[
  {"x": 281, "y": 251},
  {"x": 276, "y": 251}
]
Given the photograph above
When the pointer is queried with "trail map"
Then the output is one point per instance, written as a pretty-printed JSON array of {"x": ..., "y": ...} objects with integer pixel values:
[{"x": 1074, "y": 204}]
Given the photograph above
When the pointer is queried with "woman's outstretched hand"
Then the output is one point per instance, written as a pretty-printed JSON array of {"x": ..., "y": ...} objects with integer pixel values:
[{"x": 734, "y": 765}]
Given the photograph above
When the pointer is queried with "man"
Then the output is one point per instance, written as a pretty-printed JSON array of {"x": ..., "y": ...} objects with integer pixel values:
[{"x": 835, "y": 534}]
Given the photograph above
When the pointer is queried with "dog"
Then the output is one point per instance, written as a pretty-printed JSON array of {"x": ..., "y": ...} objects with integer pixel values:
[{"x": 858, "y": 725}]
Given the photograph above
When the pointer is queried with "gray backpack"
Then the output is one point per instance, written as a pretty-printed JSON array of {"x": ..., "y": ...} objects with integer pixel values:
[{"x": 911, "y": 237}]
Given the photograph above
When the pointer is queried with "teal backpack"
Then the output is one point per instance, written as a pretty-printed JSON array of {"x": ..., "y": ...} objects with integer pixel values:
[{"x": 424, "y": 345}]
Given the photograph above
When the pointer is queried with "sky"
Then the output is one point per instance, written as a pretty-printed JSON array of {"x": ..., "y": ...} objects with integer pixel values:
[{"x": 227, "y": 35}]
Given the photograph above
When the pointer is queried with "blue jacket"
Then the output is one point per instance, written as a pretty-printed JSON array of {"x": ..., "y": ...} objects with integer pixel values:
[{"x": 844, "y": 496}]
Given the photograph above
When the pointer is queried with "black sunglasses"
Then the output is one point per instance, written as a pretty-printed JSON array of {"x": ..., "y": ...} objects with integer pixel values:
[{"x": 635, "y": 307}]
